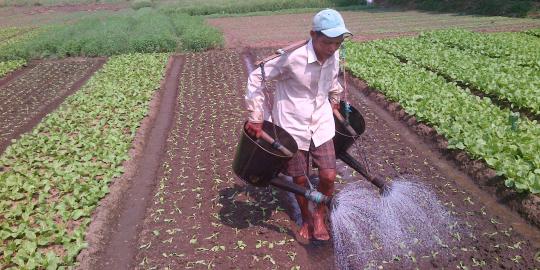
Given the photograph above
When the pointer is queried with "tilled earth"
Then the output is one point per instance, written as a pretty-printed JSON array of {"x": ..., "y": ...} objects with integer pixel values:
[
  {"x": 38, "y": 90},
  {"x": 202, "y": 216}
]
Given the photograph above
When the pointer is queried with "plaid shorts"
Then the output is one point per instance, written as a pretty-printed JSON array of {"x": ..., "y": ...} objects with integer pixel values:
[{"x": 323, "y": 157}]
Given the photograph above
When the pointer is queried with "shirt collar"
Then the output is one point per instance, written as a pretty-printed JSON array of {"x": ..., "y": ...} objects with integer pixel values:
[{"x": 311, "y": 56}]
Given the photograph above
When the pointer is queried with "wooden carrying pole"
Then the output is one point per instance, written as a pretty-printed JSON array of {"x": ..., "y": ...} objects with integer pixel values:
[
  {"x": 275, "y": 144},
  {"x": 345, "y": 123}
]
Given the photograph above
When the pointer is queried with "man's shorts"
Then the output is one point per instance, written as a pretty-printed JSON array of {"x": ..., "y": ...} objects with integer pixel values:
[{"x": 323, "y": 157}]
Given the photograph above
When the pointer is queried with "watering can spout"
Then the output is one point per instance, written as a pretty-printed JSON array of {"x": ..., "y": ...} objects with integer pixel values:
[
  {"x": 310, "y": 194},
  {"x": 384, "y": 188}
]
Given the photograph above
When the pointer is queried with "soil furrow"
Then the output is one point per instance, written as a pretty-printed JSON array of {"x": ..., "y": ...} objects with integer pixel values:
[{"x": 114, "y": 238}]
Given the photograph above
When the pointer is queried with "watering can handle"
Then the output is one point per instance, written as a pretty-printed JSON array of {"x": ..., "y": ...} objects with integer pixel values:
[
  {"x": 345, "y": 123},
  {"x": 275, "y": 144}
]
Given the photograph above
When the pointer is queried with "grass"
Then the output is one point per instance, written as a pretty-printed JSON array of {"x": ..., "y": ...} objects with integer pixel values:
[{"x": 145, "y": 30}]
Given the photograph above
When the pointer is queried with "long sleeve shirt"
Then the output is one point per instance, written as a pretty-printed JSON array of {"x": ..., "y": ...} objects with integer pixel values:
[{"x": 304, "y": 90}]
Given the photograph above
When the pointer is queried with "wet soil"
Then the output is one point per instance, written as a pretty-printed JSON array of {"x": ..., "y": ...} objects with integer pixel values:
[
  {"x": 29, "y": 94},
  {"x": 116, "y": 223},
  {"x": 201, "y": 216}
]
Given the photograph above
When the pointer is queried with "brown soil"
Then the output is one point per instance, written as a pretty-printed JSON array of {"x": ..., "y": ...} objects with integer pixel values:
[
  {"x": 27, "y": 95},
  {"x": 202, "y": 216},
  {"x": 283, "y": 29}
]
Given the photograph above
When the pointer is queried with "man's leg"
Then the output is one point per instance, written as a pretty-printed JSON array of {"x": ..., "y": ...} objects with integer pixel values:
[
  {"x": 297, "y": 167},
  {"x": 324, "y": 158},
  {"x": 326, "y": 187},
  {"x": 307, "y": 221}
]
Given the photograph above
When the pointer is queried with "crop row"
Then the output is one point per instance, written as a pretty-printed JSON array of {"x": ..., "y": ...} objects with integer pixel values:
[
  {"x": 533, "y": 32},
  {"x": 26, "y": 98},
  {"x": 518, "y": 84},
  {"x": 17, "y": 41},
  {"x": 70, "y": 158},
  {"x": 467, "y": 121},
  {"x": 8, "y": 66},
  {"x": 143, "y": 31},
  {"x": 9, "y": 32},
  {"x": 514, "y": 47}
]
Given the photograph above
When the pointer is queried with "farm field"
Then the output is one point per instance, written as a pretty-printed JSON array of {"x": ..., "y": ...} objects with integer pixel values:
[
  {"x": 217, "y": 222},
  {"x": 39, "y": 90},
  {"x": 133, "y": 170},
  {"x": 370, "y": 24}
]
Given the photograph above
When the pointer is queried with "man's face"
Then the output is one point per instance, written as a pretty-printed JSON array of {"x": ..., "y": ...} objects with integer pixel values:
[{"x": 325, "y": 46}]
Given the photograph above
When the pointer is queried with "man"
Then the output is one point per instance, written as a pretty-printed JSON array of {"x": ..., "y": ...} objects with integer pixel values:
[{"x": 307, "y": 90}]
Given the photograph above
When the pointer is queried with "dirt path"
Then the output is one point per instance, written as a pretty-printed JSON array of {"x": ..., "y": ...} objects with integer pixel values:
[
  {"x": 29, "y": 94},
  {"x": 199, "y": 215}
]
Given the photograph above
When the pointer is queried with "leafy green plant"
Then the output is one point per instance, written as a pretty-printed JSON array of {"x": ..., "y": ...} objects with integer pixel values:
[
  {"x": 8, "y": 66},
  {"x": 70, "y": 158},
  {"x": 469, "y": 122},
  {"x": 503, "y": 77}
]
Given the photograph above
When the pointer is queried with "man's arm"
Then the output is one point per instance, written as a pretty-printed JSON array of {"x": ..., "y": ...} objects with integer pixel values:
[{"x": 255, "y": 95}]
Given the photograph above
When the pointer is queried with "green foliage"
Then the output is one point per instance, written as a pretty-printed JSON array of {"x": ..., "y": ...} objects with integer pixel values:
[
  {"x": 509, "y": 78},
  {"x": 517, "y": 8},
  {"x": 145, "y": 30},
  {"x": 469, "y": 122},
  {"x": 9, "y": 66},
  {"x": 69, "y": 160},
  {"x": 138, "y": 4},
  {"x": 533, "y": 32},
  {"x": 245, "y": 6}
]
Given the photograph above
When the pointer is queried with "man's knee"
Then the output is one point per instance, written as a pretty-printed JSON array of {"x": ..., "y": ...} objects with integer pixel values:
[
  {"x": 327, "y": 175},
  {"x": 300, "y": 180}
]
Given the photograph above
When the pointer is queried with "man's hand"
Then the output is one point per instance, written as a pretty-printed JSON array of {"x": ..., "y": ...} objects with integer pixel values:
[{"x": 254, "y": 129}]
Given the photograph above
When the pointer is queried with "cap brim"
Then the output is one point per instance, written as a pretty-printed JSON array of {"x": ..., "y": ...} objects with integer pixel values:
[{"x": 336, "y": 32}]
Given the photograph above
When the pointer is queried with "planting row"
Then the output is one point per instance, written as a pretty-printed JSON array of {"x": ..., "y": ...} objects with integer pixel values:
[
  {"x": 518, "y": 84},
  {"x": 24, "y": 100},
  {"x": 8, "y": 66},
  {"x": 70, "y": 158},
  {"x": 145, "y": 31},
  {"x": 512, "y": 47},
  {"x": 468, "y": 122},
  {"x": 9, "y": 32},
  {"x": 533, "y": 32},
  {"x": 201, "y": 217},
  {"x": 15, "y": 41}
]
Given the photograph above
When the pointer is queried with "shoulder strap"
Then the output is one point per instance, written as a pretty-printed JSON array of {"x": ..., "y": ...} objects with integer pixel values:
[{"x": 280, "y": 52}]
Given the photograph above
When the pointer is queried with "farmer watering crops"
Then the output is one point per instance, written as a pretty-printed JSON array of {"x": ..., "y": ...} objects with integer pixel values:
[{"x": 307, "y": 90}]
